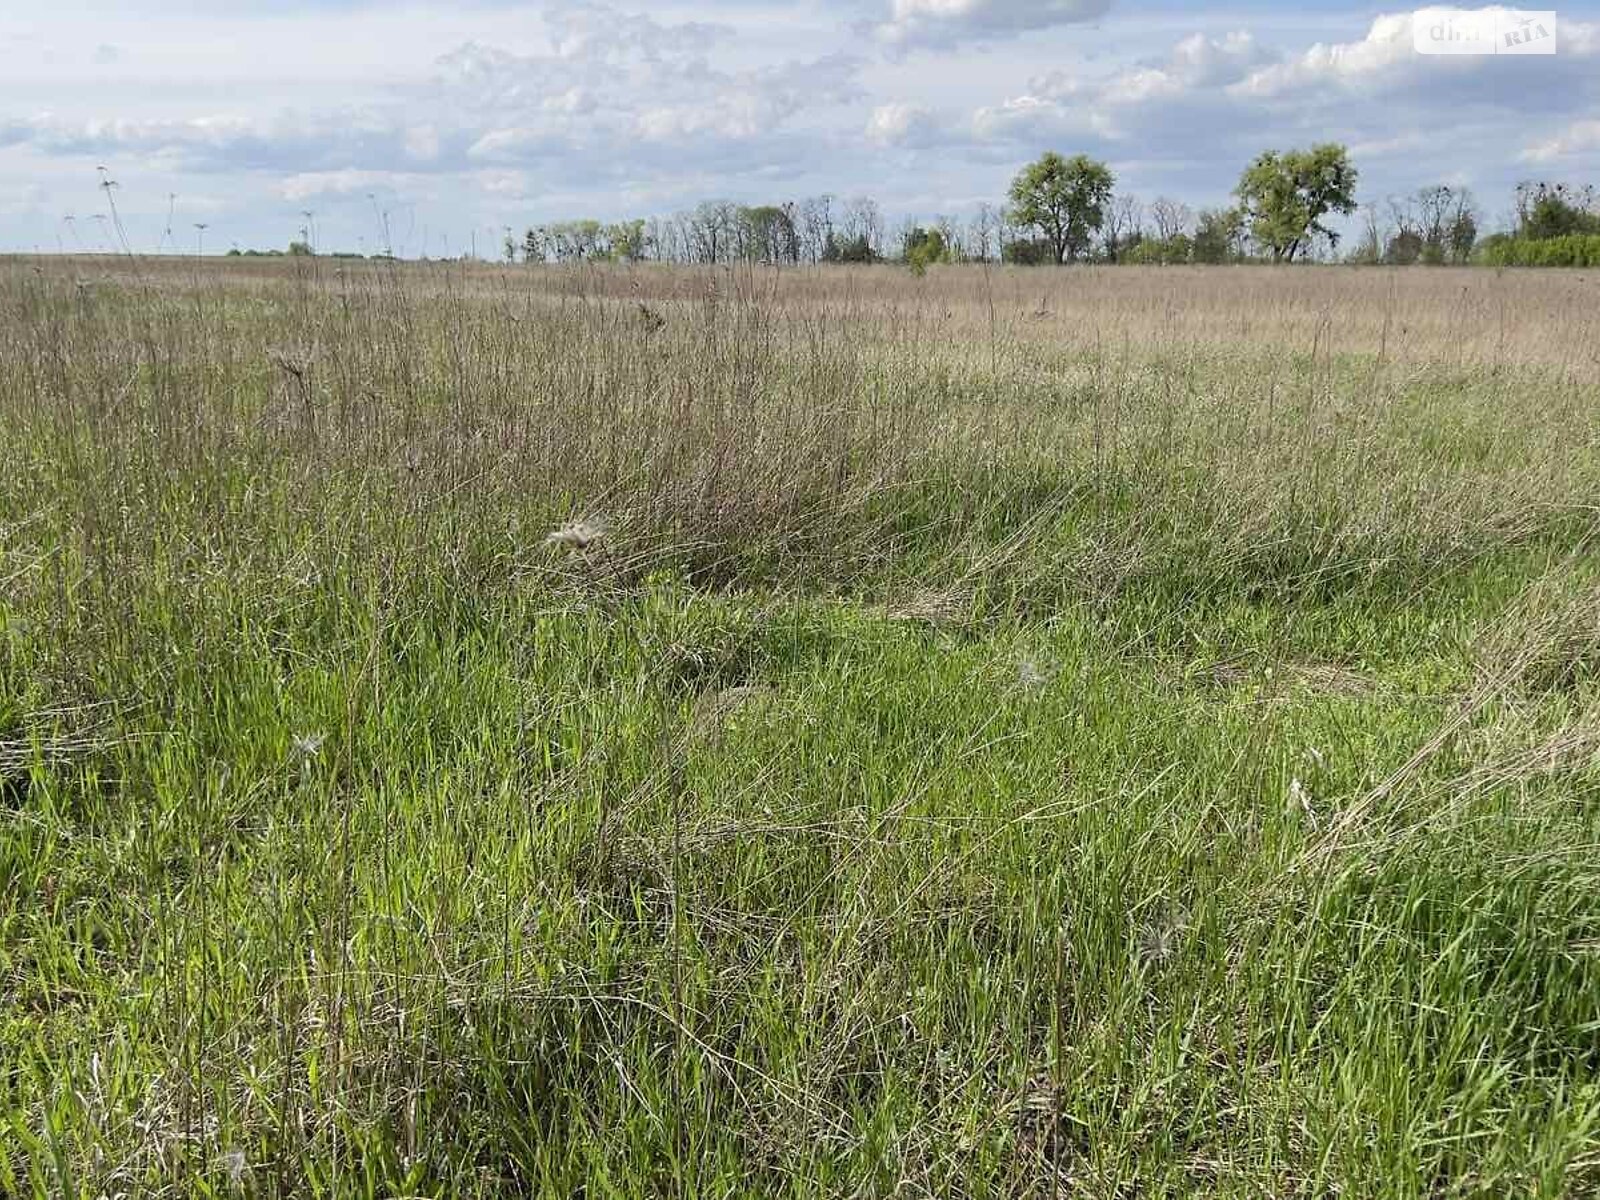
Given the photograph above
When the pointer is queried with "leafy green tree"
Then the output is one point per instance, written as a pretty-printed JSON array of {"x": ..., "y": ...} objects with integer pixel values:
[
  {"x": 1551, "y": 210},
  {"x": 1285, "y": 196},
  {"x": 577, "y": 241},
  {"x": 1064, "y": 199},
  {"x": 1461, "y": 235},
  {"x": 1217, "y": 236},
  {"x": 924, "y": 248},
  {"x": 627, "y": 240},
  {"x": 1167, "y": 251},
  {"x": 766, "y": 233}
]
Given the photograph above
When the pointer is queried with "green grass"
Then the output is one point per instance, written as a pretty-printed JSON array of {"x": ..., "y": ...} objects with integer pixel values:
[{"x": 957, "y": 770}]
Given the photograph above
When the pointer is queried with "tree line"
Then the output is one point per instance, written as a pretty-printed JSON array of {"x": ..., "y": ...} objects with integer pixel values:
[
  {"x": 815, "y": 230},
  {"x": 1062, "y": 209}
]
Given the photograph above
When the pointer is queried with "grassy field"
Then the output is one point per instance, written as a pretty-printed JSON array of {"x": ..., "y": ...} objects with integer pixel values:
[{"x": 634, "y": 731}]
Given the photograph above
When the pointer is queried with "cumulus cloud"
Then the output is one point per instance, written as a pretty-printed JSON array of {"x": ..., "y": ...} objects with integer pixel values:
[
  {"x": 314, "y": 185},
  {"x": 1387, "y": 46},
  {"x": 1579, "y": 138},
  {"x": 902, "y": 125},
  {"x": 950, "y": 23},
  {"x": 514, "y": 144},
  {"x": 1201, "y": 61},
  {"x": 591, "y": 32},
  {"x": 1034, "y": 118},
  {"x": 1126, "y": 102},
  {"x": 322, "y": 141},
  {"x": 610, "y": 88},
  {"x": 594, "y": 92},
  {"x": 1387, "y": 58}
]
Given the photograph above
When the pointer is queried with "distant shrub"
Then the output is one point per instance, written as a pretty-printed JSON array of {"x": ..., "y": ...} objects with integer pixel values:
[
  {"x": 1568, "y": 250},
  {"x": 1029, "y": 252},
  {"x": 1405, "y": 248},
  {"x": 1549, "y": 211},
  {"x": 856, "y": 249},
  {"x": 1490, "y": 251},
  {"x": 923, "y": 248},
  {"x": 1160, "y": 251},
  {"x": 1219, "y": 236}
]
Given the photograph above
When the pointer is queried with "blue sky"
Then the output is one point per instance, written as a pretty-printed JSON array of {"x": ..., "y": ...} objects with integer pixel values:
[{"x": 459, "y": 119}]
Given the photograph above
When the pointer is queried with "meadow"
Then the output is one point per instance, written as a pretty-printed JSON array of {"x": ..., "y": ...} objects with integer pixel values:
[{"x": 631, "y": 731}]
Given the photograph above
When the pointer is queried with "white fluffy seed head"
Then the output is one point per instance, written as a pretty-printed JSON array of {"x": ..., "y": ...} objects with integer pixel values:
[{"x": 577, "y": 535}]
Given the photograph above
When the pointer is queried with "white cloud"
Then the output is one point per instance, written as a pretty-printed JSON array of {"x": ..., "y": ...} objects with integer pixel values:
[
  {"x": 311, "y": 185},
  {"x": 63, "y": 135},
  {"x": 1199, "y": 60},
  {"x": 1579, "y": 138},
  {"x": 422, "y": 143},
  {"x": 1387, "y": 44},
  {"x": 511, "y": 145},
  {"x": 610, "y": 86},
  {"x": 575, "y": 100},
  {"x": 1387, "y": 57},
  {"x": 607, "y": 93},
  {"x": 902, "y": 125},
  {"x": 19, "y": 197},
  {"x": 591, "y": 32},
  {"x": 1116, "y": 104},
  {"x": 1029, "y": 117},
  {"x": 509, "y": 185},
  {"x": 951, "y": 23}
]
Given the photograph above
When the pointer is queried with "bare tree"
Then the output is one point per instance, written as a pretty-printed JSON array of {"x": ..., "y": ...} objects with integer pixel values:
[
  {"x": 909, "y": 233},
  {"x": 864, "y": 221},
  {"x": 1170, "y": 217},
  {"x": 1447, "y": 223},
  {"x": 1462, "y": 233},
  {"x": 984, "y": 233},
  {"x": 712, "y": 231},
  {"x": 816, "y": 226},
  {"x": 1123, "y": 224},
  {"x": 1404, "y": 244},
  {"x": 1374, "y": 236}
]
